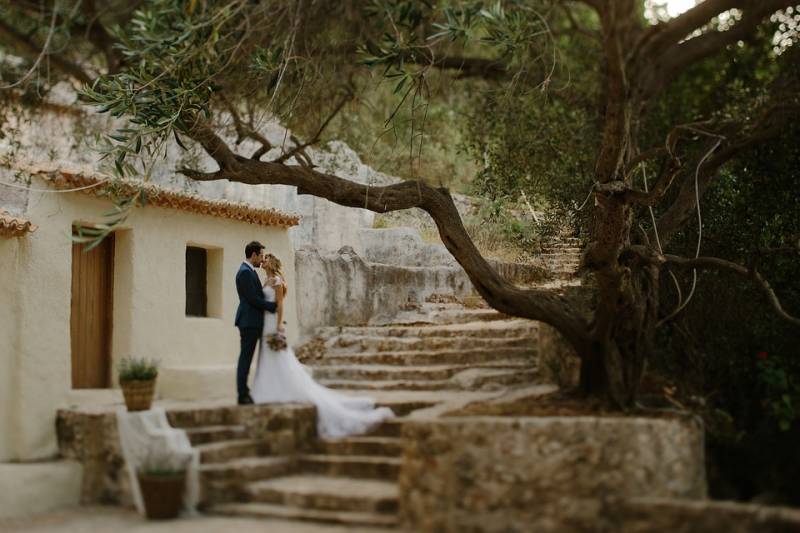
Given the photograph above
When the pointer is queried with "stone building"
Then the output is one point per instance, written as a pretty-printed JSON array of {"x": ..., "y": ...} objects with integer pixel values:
[{"x": 160, "y": 286}]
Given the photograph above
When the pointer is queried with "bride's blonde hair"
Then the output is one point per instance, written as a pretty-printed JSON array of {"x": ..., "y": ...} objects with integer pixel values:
[{"x": 273, "y": 264}]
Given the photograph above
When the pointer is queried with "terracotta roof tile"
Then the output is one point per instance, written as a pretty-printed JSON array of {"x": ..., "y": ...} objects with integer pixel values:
[
  {"x": 162, "y": 197},
  {"x": 11, "y": 226}
]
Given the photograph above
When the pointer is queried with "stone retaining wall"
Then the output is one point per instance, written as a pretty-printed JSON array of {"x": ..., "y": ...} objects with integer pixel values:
[
  {"x": 341, "y": 289},
  {"x": 650, "y": 515},
  {"x": 542, "y": 474},
  {"x": 91, "y": 438}
]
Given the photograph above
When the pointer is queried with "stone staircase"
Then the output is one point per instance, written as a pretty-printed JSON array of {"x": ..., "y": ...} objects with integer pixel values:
[
  {"x": 491, "y": 353},
  {"x": 562, "y": 256},
  {"x": 353, "y": 481}
]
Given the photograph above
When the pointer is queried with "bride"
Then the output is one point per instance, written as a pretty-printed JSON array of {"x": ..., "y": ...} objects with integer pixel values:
[{"x": 280, "y": 377}]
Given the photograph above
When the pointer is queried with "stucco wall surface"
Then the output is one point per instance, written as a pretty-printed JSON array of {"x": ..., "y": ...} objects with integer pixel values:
[
  {"x": 9, "y": 326},
  {"x": 30, "y": 489}
]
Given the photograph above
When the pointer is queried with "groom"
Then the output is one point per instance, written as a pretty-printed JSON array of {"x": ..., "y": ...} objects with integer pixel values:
[{"x": 249, "y": 315}]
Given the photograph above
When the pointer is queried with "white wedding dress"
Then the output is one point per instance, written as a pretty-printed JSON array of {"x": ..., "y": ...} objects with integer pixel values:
[{"x": 280, "y": 378}]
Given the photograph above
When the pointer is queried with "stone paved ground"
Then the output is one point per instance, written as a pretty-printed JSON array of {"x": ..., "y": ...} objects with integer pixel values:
[{"x": 104, "y": 519}]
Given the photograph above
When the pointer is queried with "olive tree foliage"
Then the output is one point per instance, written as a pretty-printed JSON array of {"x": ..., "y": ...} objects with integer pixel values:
[{"x": 193, "y": 69}]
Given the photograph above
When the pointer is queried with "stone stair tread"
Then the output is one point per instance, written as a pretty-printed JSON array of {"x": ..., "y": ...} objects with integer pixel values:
[
  {"x": 410, "y": 339},
  {"x": 363, "y": 445},
  {"x": 399, "y": 384},
  {"x": 224, "y": 450},
  {"x": 454, "y": 382},
  {"x": 245, "y": 463},
  {"x": 266, "y": 510},
  {"x": 362, "y": 438},
  {"x": 207, "y": 434},
  {"x": 428, "y": 329},
  {"x": 360, "y": 343},
  {"x": 327, "y": 458},
  {"x": 224, "y": 444},
  {"x": 211, "y": 429},
  {"x": 500, "y": 365},
  {"x": 427, "y": 357},
  {"x": 419, "y": 352},
  {"x": 370, "y": 489}
]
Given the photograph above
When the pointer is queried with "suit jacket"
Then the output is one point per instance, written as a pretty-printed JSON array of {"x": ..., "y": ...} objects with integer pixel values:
[{"x": 252, "y": 303}]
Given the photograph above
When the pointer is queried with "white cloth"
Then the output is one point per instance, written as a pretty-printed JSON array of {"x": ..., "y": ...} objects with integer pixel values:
[
  {"x": 146, "y": 436},
  {"x": 280, "y": 378}
]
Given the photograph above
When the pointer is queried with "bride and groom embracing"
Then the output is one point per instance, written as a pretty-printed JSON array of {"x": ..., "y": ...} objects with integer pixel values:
[{"x": 279, "y": 376}]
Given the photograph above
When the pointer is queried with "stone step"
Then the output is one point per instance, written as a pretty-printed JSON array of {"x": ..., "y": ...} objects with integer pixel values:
[
  {"x": 416, "y": 373},
  {"x": 247, "y": 469},
  {"x": 362, "y": 445},
  {"x": 462, "y": 316},
  {"x": 493, "y": 329},
  {"x": 192, "y": 418},
  {"x": 357, "y": 466},
  {"x": 572, "y": 241},
  {"x": 403, "y": 408},
  {"x": 429, "y": 357},
  {"x": 207, "y": 434},
  {"x": 326, "y": 493},
  {"x": 359, "y": 343},
  {"x": 224, "y": 482},
  {"x": 567, "y": 248},
  {"x": 232, "y": 415},
  {"x": 390, "y": 428},
  {"x": 216, "y": 452},
  {"x": 285, "y": 512},
  {"x": 486, "y": 380}
]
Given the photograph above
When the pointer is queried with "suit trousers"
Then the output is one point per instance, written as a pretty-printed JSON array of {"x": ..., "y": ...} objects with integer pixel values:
[{"x": 248, "y": 339}]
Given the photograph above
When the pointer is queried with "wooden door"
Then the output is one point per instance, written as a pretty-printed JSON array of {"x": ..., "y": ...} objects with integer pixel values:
[{"x": 90, "y": 318}]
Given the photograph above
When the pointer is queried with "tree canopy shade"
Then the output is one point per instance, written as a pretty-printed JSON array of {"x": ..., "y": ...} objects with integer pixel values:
[{"x": 190, "y": 69}]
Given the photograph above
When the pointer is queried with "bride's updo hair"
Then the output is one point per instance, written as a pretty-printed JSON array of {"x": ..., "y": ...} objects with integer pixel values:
[{"x": 273, "y": 264}]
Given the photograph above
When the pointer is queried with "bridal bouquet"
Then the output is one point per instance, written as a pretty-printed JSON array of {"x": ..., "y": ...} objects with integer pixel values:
[{"x": 276, "y": 342}]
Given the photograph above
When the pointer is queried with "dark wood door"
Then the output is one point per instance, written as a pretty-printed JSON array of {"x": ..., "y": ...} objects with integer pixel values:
[{"x": 90, "y": 318}]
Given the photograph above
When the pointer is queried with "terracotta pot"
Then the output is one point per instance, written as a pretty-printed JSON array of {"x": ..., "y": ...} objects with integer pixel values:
[
  {"x": 162, "y": 494},
  {"x": 138, "y": 394}
]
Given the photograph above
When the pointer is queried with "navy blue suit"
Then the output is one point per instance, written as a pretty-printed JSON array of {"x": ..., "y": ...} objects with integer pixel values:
[{"x": 250, "y": 321}]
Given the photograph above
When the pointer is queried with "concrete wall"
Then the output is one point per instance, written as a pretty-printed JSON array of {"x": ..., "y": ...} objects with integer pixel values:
[{"x": 149, "y": 299}]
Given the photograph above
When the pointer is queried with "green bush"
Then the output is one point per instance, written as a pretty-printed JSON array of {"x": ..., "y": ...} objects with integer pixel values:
[{"x": 137, "y": 369}]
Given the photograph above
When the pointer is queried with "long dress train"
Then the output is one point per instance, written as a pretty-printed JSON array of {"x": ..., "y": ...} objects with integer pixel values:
[{"x": 281, "y": 378}]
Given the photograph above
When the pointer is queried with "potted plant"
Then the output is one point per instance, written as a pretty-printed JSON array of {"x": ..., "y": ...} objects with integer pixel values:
[
  {"x": 162, "y": 479},
  {"x": 137, "y": 378}
]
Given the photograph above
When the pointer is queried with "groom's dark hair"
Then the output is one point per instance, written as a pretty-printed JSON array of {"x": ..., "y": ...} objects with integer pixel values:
[{"x": 253, "y": 248}]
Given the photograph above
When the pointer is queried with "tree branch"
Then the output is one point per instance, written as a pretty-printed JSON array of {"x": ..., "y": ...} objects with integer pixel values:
[
  {"x": 27, "y": 47},
  {"x": 665, "y": 34},
  {"x": 666, "y": 58},
  {"x": 536, "y": 304},
  {"x": 467, "y": 67},
  {"x": 245, "y": 131},
  {"x": 716, "y": 263},
  {"x": 96, "y": 33},
  {"x": 575, "y": 26},
  {"x": 300, "y": 147},
  {"x": 770, "y": 126}
]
